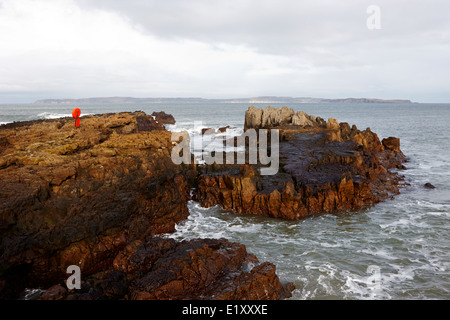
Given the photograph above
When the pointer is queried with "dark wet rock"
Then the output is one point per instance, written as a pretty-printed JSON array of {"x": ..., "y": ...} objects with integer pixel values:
[
  {"x": 392, "y": 143},
  {"x": 212, "y": 130},
  {"x": 223, "y": 129},
  {"x": 200, "y": 269},
  {"x": 325, "y": 167},
  {"x": 207, "y": 269},
  {"x": 429, "y": 186},
  {"x": 56, "y": 292},
  {"x": 208, "y": 131},
  {"x": 257, "y": 118},
  {"x": 163, "y": 117},
  {"x": 145, "y": 123}
]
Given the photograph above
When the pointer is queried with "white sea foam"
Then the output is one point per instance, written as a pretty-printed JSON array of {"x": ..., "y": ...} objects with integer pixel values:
[
  {"x": 54, "y": 115},
  {"x": 200, "y": 224},
  {"x": 439, "y": 213},
  {"x": 51, "y": 115},
  {"x": 32, "y": 294},
  {"x": 358, "y": 287},
  {"x": 301, "y": 259},
  {"x": 202, "y": 145},
  {"x": 379, "y": 253}
]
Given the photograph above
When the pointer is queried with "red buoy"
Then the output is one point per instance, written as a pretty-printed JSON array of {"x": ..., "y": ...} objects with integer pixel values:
[{"x": 76, "y": 114}]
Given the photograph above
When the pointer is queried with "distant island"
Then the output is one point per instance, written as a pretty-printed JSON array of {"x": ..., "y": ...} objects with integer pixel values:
[{"x": 263, "y": 99}]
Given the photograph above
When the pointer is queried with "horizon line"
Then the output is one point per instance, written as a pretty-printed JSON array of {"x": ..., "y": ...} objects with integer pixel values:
[{"x": 264, "y": 98}]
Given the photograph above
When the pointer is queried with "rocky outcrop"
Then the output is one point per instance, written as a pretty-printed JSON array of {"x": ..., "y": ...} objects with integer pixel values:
[
  {"x": 303, "y": 119},
  {"x": 163, "y": 117},
  {"x": 325, "y": 167},
  {"x": 90, "y": 197},
  {"x": 257, "y": 118},
  {"x": 162, "y": 269}
]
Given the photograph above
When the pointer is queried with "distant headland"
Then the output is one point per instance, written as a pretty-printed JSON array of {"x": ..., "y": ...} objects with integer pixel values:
[{"x": 263, "y": 99}]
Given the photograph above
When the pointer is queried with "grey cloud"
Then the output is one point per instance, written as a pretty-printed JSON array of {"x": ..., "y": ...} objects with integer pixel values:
[
  {"x": 323, "y": 45},
  {"x": 327, "y": 36},
  {"x": 268, "y": 26},
  {"x": 280, "y": 26}
]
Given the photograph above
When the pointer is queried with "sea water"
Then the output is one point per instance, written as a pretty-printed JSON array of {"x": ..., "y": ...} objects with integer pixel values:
[{"x": 397, "y": 249}]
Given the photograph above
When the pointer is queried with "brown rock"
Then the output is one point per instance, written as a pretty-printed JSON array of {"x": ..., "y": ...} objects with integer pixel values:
[
  {"x": 332, "y": 123},
  {"x": 392, "y": 143},
  {"x": 253, "y": 118},
  {"x": 273, "y": 117},
  {"x": 207, "y": 269},
  {"x": 208, "y": 131},
  {"x": 145, "y": 123},
  {"x": 429, "y": 186},
  {"x": 56, "y": 292},
  {"x": 302, "y": 119},
  {"x": 256, "y": 118},
  {"x": 223, "y": 129},
  {"x": 324, "y": 168},
  {"x": 77, "y": 196},
  {"x": 200, "y": 269},
  {"x": 163, "y": 117}
]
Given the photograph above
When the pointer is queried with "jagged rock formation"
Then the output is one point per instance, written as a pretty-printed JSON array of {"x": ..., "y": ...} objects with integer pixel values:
[
  {"x": 161, "y": 269},
  {"x": 97, "y": 197},
  {"x": 257, "y": 118},
  {"x": 163, "y": 117},
  {"x": 325, "y": 167}
]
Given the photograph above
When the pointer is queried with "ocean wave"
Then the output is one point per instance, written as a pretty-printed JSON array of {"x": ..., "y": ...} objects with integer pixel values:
[
  {"x": 360, "y": 287},
  {"x": 201, "y": 223},
  {"x": 51, "y": 115},
  {"x": 197, "y": 129},
  {"x": 202, "y": 145}
]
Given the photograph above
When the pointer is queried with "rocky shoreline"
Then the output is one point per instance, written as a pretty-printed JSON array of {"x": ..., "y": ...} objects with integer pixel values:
[{"x": 99, "y": 196}]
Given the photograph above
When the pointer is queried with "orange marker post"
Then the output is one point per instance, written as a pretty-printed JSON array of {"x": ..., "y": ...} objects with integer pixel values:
[{"x": 76, "y": 114}]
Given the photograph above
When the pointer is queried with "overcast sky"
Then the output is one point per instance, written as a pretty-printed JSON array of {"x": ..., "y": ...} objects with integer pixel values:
[{"x": 224, "y": 49}]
